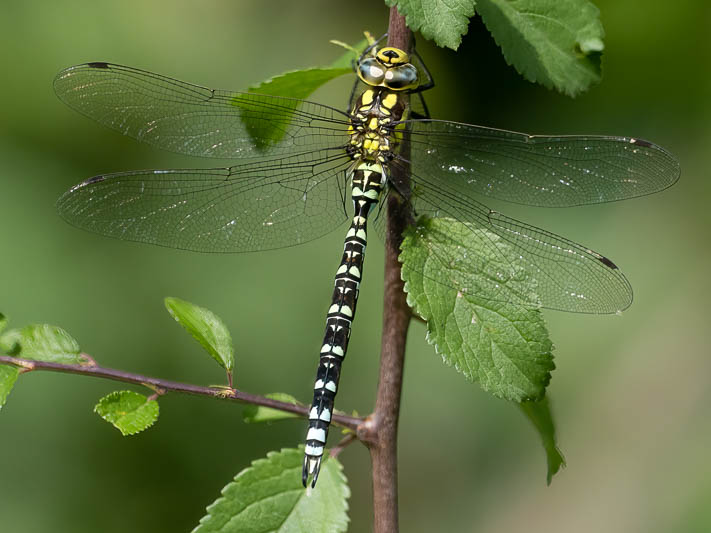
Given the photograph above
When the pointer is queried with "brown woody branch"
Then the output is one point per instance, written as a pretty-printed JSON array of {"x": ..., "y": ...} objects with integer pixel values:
[{"x": 379, "y": 431}]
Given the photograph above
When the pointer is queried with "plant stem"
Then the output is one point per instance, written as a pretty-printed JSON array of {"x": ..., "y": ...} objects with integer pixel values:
[
  {"x": 164, "y": 386},
  {"x": 380, "y": 431}
]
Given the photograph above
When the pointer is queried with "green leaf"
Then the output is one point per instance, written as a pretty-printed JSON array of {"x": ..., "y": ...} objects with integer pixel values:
[
  {"x": 256, "y": 413},
  {"x": 539, "y": 413},
  {"x": 442, "y": 21},
  {"x": 502, "y": 345},
  {"x": 43, "y": 343},
  {"x": 3, "y": 322},
  {"x": 353, "y": 53},
  {"x": 128, "y": 411},
  {"x": 207, "y": 328},
  {"x": 557, "y": 43},
  {"x": 8, "y": 376},
  {"x": 268, "y": 497},
  {"x": 297, "y": 84}
]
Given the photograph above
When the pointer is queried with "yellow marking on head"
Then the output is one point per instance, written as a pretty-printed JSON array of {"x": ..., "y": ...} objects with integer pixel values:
[
  {"x": 392, "y": 56},
  {"x": 367, "y": 97}
]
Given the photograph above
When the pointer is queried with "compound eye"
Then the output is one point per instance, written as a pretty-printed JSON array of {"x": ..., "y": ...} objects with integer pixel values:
[
  {"x": 371, "y": 71},
  {"x": 402, "y": 77}
]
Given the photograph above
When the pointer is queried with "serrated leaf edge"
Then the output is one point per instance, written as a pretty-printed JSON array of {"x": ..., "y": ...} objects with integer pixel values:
[
  {"x": 473, "y": 378},
  {"x": 128, "y": 434},
  {"x": 265, "y": 460}
]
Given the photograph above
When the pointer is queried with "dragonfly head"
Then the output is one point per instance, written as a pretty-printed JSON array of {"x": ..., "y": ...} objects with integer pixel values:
[{"x": 389, "y": 67}]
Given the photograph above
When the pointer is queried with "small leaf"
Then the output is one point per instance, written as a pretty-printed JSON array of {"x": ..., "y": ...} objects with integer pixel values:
[
  {"x": 500, "y": 344},
  {"x": 557, "y": 43},
  {"x": 256, "y": 413},
  {"x": 3, "y": 322},
  {"x": 43, "y": 343},
  {"x": 206, "y": 327},
  {"x": 539, "y": 413},
  {"x": 268, "y": 497},
  {"x": 442, "y": 21},
  {"x": 128, "y": 411},
  {"x": 353, "y": 53},
  {"x": 296, "y": 84},
  {"x": 8, "y": 376}
]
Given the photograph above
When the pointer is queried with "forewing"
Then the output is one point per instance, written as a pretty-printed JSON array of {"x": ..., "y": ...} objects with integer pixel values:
[
  {"x": 546, "y": 171},
  {"x": 194, "y": 120},
  {"x": 260, "y": 205}
]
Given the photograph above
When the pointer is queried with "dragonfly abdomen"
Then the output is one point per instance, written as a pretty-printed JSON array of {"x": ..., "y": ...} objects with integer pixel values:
[{"x": 368, "y": 180}]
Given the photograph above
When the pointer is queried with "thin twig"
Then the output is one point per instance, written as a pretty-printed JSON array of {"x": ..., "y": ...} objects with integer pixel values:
[
  {"x": 345, "y": 441},
  {"x": 162, "y": 386}
]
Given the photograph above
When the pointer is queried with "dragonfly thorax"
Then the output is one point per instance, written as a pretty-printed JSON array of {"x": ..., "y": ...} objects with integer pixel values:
[{"x": 373, "y": 117}]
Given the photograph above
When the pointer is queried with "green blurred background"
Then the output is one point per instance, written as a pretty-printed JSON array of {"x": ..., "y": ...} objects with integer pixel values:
[{"x": 630, "y": 394}]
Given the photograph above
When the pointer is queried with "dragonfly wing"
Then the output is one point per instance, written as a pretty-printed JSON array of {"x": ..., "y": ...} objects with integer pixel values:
[
  {"x": 194, "y": 120},
  {"x": 260, "y": 205},
  {"x": 546, "y": 171},
  {"x": 500, "y": 258}
]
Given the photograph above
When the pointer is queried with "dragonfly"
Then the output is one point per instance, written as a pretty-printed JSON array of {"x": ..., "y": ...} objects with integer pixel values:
[{"x": 295, "y": 161}]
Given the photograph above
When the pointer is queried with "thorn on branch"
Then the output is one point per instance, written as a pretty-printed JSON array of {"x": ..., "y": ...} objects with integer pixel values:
[
  {"x": 25, "y": 366},
  {"x": 367, "y": 431},
  {"x": 225, "y": 392},
  {"x": 89, "y": 359}
]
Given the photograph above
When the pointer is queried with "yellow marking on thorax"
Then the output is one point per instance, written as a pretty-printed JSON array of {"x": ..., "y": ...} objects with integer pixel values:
[
  {"x": 367, "y": 97},
  {"x": 390, "y": 100},
  {"x": 372, "y": 115},
  {"x": 372, "y": 141}
]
